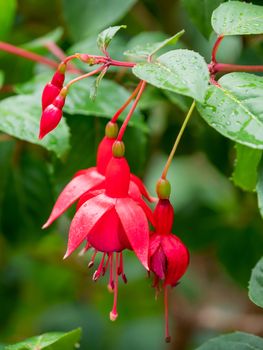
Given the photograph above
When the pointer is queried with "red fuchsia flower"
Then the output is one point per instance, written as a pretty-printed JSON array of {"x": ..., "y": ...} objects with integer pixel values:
[
  {"x": 94, "y": 178},
  {"x": 53, "y": 88},
  {"x": 168, "y": 256},
  {"x": 52, "y": 114},
  {"x": 110, "y": 218}
]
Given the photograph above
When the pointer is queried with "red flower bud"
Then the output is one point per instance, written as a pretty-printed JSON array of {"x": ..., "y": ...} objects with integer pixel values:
[
  {"x": 51, "y": 116},
  {"x": 52, "y": 89}
]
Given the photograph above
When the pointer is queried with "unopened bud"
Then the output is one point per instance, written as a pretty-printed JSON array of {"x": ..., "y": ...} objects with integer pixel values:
[
  {"x": 118, "y": 149},
  {"x": 163, "y": 189},
  {"x": 111, "y": 130}
]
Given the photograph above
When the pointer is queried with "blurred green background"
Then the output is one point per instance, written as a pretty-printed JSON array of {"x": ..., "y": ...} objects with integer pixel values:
[{"x": 220, "y": 223}]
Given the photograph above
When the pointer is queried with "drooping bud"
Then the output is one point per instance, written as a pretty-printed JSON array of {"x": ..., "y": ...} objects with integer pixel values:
[
  {"x": 163, "y": 188},
  {"x": 164, "y": 216},
  {"x": 52, "y": 114},
  {"x": 53, "y": 88}
]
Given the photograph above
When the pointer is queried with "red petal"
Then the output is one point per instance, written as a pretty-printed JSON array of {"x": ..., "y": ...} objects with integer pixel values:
[
  {"x": 108, "y": 234},
  {"x": 58, "y": 79},
  {"x": 86, "y": 218},
  {"x": 74, "y": 189},
  {"x": 135, "y": 224},
  {"x": 50, "y": 92},
  {"x": 177, "y": 256},
  {"x": 142, "y": 188},
  {"x": 49, "y": 120}
]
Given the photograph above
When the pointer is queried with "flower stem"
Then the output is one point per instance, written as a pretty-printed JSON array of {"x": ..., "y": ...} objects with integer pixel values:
[
  {"x": 121, "y": 63},
  {"x": 84, "y": 76},
  {"x": 178, "y": 138},
  {"x": 127, "y": 119},
  {"x": 224, "y": 67},
  {"x": 123, "y": 107},
  {"x": 27, "y": 54},
  {"x": 216, "y": 46}
]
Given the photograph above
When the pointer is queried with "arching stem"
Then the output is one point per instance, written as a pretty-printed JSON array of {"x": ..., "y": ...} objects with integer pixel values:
[{"x": 178, "y": 138}]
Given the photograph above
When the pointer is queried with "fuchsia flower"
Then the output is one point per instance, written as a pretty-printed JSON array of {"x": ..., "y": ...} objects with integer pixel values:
[
  {"x": 94, "y": 178},
  {"x": 169, "y": 257},
  {"x": 111, "y": 215},
  {"x": 52, "y": 114},
  {"x": 53, "y": 88}
]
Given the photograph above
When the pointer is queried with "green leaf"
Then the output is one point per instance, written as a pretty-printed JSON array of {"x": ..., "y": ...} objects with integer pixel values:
[
  {"x": 234, "y": 341},
  {"x": 182, "y": 71},
  {"x": 246, "y": 164},
  {"x": 7, "y": 15},
  {"x": 1, "y": 78},
  {"x": 235, "y": 109},
  {"x": 200, "y": 13},
  {"x": 85, "y": 17},
  {"x": 148, "y": 49},
  {"x": 256, "y": 284},
  {"x": 260, "y": 187},
  {"x": 238, "y": 18},
  {"x": 19, "y": 117},
  {"x": 105, "y": 37},
  {"x": 49, "y": 341}
]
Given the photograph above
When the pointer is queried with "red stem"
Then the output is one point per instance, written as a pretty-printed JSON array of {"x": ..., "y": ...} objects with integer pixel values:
[
  {"x": 27, "y": 54},
  {"x": 117, "y": 114},
  {"x": 126, "y": 121},
  {"x": 225, "y": 67},
  {"x": 216, "y": 46},
  {"x": 84, "y": 76},
  {"x": 121, "y": 63}
]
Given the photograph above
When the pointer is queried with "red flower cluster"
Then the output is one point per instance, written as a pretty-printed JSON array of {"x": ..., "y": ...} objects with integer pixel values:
[{"x": 111, "y": 212}]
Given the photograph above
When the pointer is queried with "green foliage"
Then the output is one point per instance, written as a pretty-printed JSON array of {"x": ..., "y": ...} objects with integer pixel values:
[
  {"x": 260, "y": 187},
  {"x": 235, "y": 108},
  {"x": 7, "y": 15},
  {"x": 238, "y": 18},
  {"x": 246, "y": 167},
  {"x": 19, "y": 117},
  {"x": 234, "y": 341},
  {"x": 181, "y": 71},
  {"x": 200, "y": 13},
  {"x": 49, "y": 341},
  {"x": 88, "y": 17},
  {"x": 105, "y": 37},
  {"x": 1, "y": 78},
  {"x": 148, "y": 49},
  {"x": 256, "y": 284}
]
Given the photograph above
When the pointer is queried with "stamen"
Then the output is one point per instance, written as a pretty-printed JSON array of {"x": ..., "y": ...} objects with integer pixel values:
[
  {"x": 111, "y": 282},
  {"x": 167, "y": 334},
  {"x": 106, "y": 265},
  {"x": 85, "y": 249},
  {"x": 91, "y": 263},
  {"x": 114, "y": 312},
  {"x": 99, "y": 271},
  {"x": 121, "y": 270}
]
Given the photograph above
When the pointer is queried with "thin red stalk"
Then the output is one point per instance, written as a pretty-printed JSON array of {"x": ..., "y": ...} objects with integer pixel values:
[
  {"x": 121, "y": 63},
  {"x": 166, "y": 313},
  {"x": 114, "y": 312},
  {"x": 84, "y": 76},
  {"x": 224, "y": 67},
  {"x": 216, "y": 46},
  {"x": 27, "y": 54},
  {"x": 126, "y": 121},
  {"x": 123, "y": 107}
]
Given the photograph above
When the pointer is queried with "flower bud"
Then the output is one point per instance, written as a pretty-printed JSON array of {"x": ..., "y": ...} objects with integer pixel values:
[
  {"x": 53, "y": 88},
  {"x": 163, "y": 189},
  {"x": 118, "y": 149},
  {"x": 111, "y": 130}
]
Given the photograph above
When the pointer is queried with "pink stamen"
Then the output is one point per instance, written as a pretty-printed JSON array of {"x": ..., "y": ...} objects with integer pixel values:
[
  {"x": 111, "y": 282},
  {"x": 85, "y": 249},
  {"x": 106, "y": 265},
  {"x": 121, "y": 270},
  {"x": 99, "y": 271},
  {"x": 166, "y": 313},
  {"x": 91, "y": 263},
  {"x": 114, "y": 312}
]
